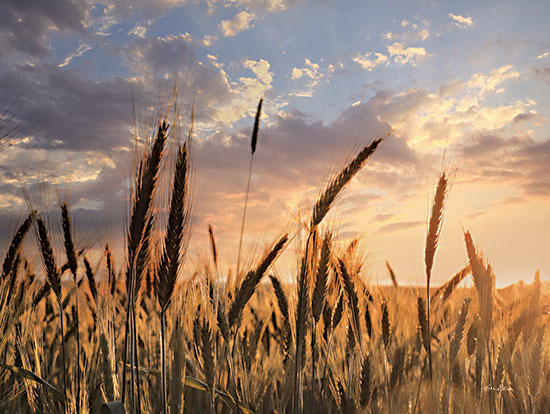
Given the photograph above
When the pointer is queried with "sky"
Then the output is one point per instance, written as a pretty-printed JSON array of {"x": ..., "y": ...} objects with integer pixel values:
[{"x": 465, "y": 85}]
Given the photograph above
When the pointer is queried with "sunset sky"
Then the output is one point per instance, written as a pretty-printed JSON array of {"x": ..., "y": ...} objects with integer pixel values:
[{"x": 465, "y": 84}]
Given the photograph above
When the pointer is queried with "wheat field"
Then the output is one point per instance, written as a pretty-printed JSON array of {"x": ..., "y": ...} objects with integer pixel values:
[{"x": 79, "y": 337}]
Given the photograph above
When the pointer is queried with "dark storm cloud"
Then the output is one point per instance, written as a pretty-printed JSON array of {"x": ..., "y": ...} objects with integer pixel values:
[{"x": 25, "y": 23}]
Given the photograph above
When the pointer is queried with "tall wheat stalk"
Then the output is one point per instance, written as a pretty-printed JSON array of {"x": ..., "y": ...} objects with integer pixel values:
[
  {"x": 73, "y": 267},
  {"x": 140, "y": 231},
  {"x": 318, "y": 302},
  {"x": 171, "y": 255},
  {"x": 320, "y": 209},
  {"x": 301, "y": 318},
  {"x": 54, "y": 279},
  {"x": 253, "y": 144},
  {"x": 484, "y": 281},
  {"x": 432, "y": 239},
  {"x": 454, "y": 347}
]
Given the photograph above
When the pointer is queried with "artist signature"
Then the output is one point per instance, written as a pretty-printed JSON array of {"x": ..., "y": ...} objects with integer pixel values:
[{"x": 500, "y": 388}]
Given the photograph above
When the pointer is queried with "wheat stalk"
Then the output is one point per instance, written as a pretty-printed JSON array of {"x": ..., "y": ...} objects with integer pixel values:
[
  {"x": 318, "y": 300},
  {"x": 73, "y": 266},
  {"x": 175, "y": 233},
  {"x": 253, "y": 144},
  {"x": 353, "y": 300},
  {"x": 366, "y": 382},
  {"x": 302, "y": 309},
  {"x": 139, "y": 233},
  {"x": 448, "y": 288},
  {"x": 320, "y": 287},
  {"x": 454, "y": 347},
  {"x": 213, "y": 246},
  {"x": 432, "y": 239},
  {"x": 16, "y": 243},
  {"x": 423, "y": 323},
  {"x": 54, "y": 279},
  {"x": 174, "y": 243},
  {"x": 334, "y": 188},
  {"x": 250, "y": 282},
  {"x": 91, "y": 279},
  {"x": 392, "y": 274}
]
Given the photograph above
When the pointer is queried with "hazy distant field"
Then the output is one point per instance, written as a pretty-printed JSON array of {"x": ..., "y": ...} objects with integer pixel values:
[{"x": 250, "y": 341}]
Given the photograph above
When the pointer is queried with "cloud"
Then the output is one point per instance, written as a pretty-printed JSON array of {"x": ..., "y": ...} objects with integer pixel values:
[
  {"x": 519, "y": 160},
  {"x": 221, "y": 101},
  {"x": 313, "y": 72},
  {"x": 370, "y": 64},
  {"x": 452, "y": 88},
  {"x": 24, "y": 25},
  {"x": 240, "y": 22},
  {"x": 139, "y": 30},
  {"x": 259, "y": 5},
  {"x": 117, "y": 10},
  {"x": 71, "y": 111},
  {"x": 244, "y": 93},
  {"x": 399, "y": 226},
  {"x": 83, "y": 48},
  {"x": 531, "y": 117},
  {"x": 410, "y": 33},
  {"x": 542, "y": 73},
  {"x": 170, "y": 53},
  {"x": 403, "y": 55},
  {"x": 489, "y": 82},
  {"x": 383, "y": 217},
  {"x": 461, "y": 21}
]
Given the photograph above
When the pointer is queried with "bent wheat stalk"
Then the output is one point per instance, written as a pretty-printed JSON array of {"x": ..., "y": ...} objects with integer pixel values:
[{"x": 335, "y": 187}]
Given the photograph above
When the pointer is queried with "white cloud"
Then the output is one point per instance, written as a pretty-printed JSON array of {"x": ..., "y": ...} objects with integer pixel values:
[
  {"x": 403, "y": 55},
  {"x": 246, "y": 92},
  {"x": 452, "y": 88},
  {"x": 207, "y": 40},
  {"x": 313, "y": 72},
  {"x": 543, "y": 55},
  {"x": 489, "y": 82},
  {"x": 242, "y": 21},
  {"x": 139, "y": 30},
  {"x": 461, "y": 21},
  {"x": 410, "y": 33},
  {"x": 370, "y": 64},
  {"x": 83, "y": 48},
  {"x": 261, "y": 70}
]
